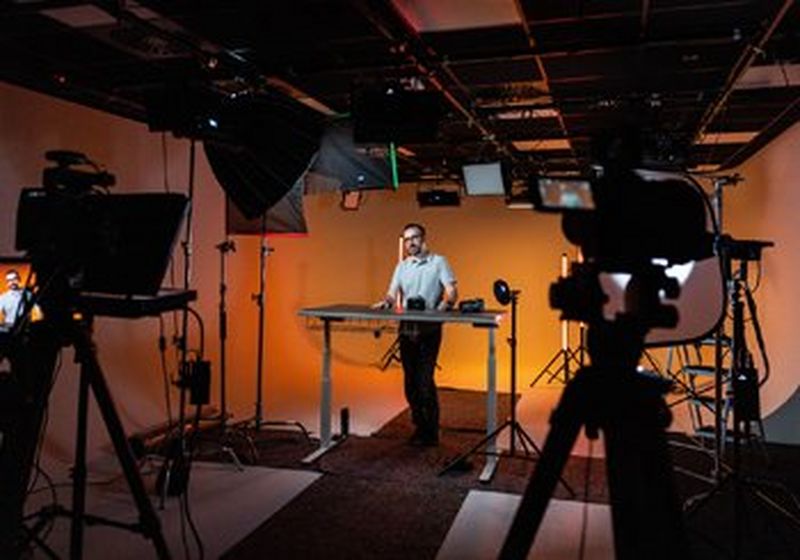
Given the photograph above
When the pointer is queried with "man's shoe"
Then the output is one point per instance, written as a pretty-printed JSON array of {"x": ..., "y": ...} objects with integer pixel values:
[
  {"x": 429, "y": 439},
  {"x": 423, "y": 438}
]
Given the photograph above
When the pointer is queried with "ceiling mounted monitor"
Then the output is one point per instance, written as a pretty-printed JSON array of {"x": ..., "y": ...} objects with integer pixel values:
[
  {"x": 484, "y": 179},
  {"x": 390, "y": 113}
]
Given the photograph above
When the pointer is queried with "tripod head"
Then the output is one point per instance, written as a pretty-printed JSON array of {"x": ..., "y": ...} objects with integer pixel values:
[
  {"x": 634, "y": 222},
  {"x": 227, "y": 246}
]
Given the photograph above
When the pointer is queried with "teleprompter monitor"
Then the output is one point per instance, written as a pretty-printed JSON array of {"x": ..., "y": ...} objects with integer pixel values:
[{"x": 113, "y": 243}]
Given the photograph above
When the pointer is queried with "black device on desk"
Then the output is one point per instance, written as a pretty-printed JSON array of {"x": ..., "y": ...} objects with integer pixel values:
[
  {"x": 475, "y": 305},
  {"x": 415, "y": 303}
]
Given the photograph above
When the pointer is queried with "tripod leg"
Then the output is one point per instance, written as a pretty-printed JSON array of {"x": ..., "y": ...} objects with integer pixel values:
[
  {"x": 526, "y": 441},
  {"x": 23, "y": 400},
  {"x": 640, "y": 473},
  {"x": 474, "y": 449},
  {"x": 565, "y": 424},
  {"x": 559, "y": 355},
  {"x": 151, "y": 526},
  {"x": 79, "y": 471}
]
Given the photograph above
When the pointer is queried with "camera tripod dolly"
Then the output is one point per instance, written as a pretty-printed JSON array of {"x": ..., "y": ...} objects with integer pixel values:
[{"x": 630, "y": 410}]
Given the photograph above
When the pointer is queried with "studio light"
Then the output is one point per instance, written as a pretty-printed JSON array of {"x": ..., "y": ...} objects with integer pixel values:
[
  {"x": 438, "y": 197},
  {"x": 502, "y": 292}
]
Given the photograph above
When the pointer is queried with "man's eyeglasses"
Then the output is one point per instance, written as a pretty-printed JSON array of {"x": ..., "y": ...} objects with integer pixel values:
[{"x": 411, "y": 238}]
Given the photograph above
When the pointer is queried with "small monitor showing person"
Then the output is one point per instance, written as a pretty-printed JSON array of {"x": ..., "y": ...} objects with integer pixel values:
[{"x": 17, "y": 295}]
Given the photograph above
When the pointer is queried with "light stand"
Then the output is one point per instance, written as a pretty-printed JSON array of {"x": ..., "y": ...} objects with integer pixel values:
[
  {"x": 224, "y": 248},
  {"x": 505, "y": 295},
  {"x": 719, "y": 418},
  {"x": 173, "y": 477},
  {"x": 517, "y": 431},
  {"x": 259, "y": 299},
  {"x": 693, "y": 395},
  {"x": 225, "y": 432},
  {"x": 564, "y": 356},
  {"x": 744, "y": 386}
]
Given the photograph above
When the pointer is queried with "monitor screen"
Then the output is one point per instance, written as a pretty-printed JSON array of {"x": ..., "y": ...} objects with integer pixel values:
[
  {"x": 115, "y": 244},
  {"x": 566, "y": 193},
  {"x": 17, "y": 291},
  {"x": 484, "y": 179}
]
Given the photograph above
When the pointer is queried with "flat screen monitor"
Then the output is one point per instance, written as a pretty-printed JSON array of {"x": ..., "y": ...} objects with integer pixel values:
[
  {"x": 484, "y": 179},
  {"x": 116, "y": 243}
]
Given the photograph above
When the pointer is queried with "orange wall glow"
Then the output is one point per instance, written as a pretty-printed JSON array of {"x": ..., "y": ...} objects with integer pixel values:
[{"x": 348, "y": 258}]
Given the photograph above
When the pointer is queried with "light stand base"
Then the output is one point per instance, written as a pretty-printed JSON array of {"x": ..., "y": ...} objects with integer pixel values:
[
  {"x": 225, "y": 438},
  {"x": 517, "y": 433}
]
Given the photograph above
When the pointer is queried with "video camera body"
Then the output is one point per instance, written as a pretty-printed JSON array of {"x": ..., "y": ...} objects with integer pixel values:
[
  {"x": 76, "y": 181},
  {"x": 92, "y": 241},
  {"x": 630, "y": 221}
]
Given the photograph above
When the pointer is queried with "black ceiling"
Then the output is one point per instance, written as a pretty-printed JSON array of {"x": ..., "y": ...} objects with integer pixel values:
[{"x": 711, "y": 80}]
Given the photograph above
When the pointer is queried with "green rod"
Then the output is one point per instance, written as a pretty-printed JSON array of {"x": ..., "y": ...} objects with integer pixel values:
[{"x": 393, "y": 162}]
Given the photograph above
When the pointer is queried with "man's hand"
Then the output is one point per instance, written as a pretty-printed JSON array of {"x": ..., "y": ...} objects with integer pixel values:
[
  {"x": 383, "y": 304},
  {"x": 444, "y": 305}
]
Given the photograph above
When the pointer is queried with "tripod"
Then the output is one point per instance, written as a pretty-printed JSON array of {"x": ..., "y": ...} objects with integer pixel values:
[
  {"x": 92, "y": 377},
  {"x": 258, "y": 418},
  {"x": 629, "y": 408},
  {"x": 392, "y": 354},
  {"x": 564, "y": 356},
  {"x": 516, "y": 431}
]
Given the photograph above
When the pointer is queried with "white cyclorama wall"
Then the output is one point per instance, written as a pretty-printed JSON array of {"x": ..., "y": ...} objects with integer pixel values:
[
  {"x": 766, "y": 206},
  {"x": 128, "y": 349}
]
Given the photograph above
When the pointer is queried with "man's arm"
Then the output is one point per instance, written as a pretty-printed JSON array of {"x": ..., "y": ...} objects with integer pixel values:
[
  {"x": 393, "y": 294},
  {"x": 450, "y": 297},
  {"x": 388, "y": 301},
  {"x": 448, "y": 280}
]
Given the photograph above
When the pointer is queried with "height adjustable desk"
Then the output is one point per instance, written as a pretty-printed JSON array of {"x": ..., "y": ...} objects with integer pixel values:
[{"x": 364, "y": 314}]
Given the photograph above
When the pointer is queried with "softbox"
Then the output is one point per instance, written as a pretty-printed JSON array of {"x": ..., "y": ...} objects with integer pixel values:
[
  {"x": 342, "y": 165},
  {"x": 261, "y": 146},
  {"x": 286, "y": 216}
]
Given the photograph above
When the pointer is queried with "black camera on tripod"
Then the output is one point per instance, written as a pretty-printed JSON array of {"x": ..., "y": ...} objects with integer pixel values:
[
  {"x": 643, "y": 236},
  {"x": 65, "y": 176},
  {"x": 635, "y": 230},
  {"x": 92, "y": 254}
]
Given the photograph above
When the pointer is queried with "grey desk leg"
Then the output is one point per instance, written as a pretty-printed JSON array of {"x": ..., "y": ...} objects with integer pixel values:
[
  {"x": 325, "y": 439},
  {"x": 491, "y": 410}
]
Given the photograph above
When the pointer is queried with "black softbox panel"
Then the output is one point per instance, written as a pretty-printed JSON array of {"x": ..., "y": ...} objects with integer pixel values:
[
  {"x": 261, "y": 146},
  {"x": 343, "y": 165},
  {"x": 285, "y": 217}
]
